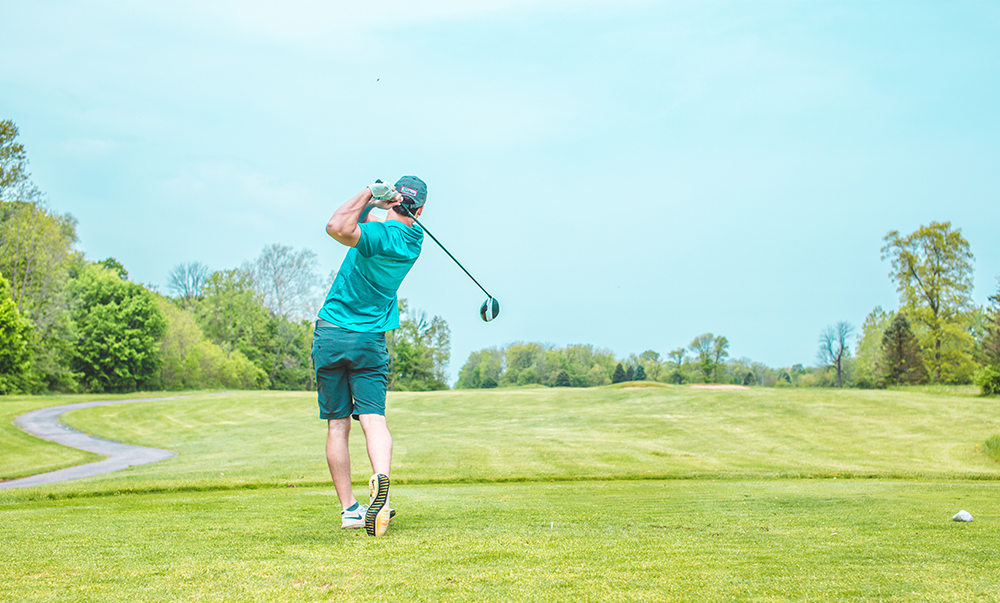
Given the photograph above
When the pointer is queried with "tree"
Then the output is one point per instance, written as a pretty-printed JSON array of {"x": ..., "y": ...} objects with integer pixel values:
[
  {"x": 932, "y": 268},
  {"x": 13, "y": 160},
  {"x": 651, "y": 364},
  {"x": 720, "y": 351},
  {"x": 833, "y": 348},
  {"x": 481, "y": 366},
  {"x": 36, "y": 256},
  {"x": 187, "y": 282},
  {"x": 522, "y": 361},
  {"x": 286, "y": 280},
  {"x": 15, "y": 331},
  {"x": 677, "y": 358},
  {"x": 419, "y": 352},
  {"x": 619, "y": 375},
  {"x": 991, "y": 335},
  {"x": 115, "y": 266},
  {"x": 630, "y": 373},
  {"x": 562, "y": 378},
  {"x": 902, "y": 362},
  {"x": 868, "y": 354},
  {"x": 710, "y": 351},
  {"x": 597, "y": 376},
  {"x": 119, "y": 326},
  {"x": 232, "y": 315},
  {"x": 190, "y": 361},
  {"x": 640, "y": 373}
]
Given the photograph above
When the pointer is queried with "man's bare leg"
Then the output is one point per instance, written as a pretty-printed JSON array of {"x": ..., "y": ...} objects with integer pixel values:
[
  {"x": 379, "y": 442},
  {"x": 338, "y": 457}
]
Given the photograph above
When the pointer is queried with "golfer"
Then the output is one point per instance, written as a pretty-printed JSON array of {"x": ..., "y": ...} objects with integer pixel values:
[{"x": 349, "y": 352}]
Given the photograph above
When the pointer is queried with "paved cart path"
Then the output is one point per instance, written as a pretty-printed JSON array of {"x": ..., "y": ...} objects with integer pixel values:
[{"x": 45, "y": 424}]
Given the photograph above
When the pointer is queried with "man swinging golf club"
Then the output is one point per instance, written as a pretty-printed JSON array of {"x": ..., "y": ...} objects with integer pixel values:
[{"x": 349, "y": 351}]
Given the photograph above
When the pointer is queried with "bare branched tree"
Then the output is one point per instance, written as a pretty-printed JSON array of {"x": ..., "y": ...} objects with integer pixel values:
[
  {"x": 834, "y": 349},
  {"x": 187, "y": 281},
  {"x": 287, "y": 281}
]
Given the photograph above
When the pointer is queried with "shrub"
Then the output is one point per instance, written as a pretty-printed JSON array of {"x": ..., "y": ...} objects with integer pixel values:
[{"x": 988, "y": 380}]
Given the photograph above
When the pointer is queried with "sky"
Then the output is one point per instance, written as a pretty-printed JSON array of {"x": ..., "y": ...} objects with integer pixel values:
[{"x": 625, "y": 174}]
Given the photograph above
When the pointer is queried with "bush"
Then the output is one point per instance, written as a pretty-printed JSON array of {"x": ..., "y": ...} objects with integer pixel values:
[{"x": 988, "y": 380}]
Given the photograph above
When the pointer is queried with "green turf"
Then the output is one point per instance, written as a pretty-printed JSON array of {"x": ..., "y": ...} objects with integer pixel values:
[
  {"x": 530, "y": 494},
  {"x": 764, "y": 540},
  {"x": 22, "y": 455}
]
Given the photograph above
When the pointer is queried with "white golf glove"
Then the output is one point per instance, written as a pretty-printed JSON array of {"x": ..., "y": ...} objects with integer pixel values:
[{"x": 382, "y": 191}]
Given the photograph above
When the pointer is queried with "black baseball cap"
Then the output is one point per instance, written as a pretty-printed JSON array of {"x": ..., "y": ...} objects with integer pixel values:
[{"x": 414, "y": 191}]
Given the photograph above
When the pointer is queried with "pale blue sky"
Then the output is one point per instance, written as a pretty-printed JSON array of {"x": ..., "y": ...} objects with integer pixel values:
[{"x": 624, "y": 174}]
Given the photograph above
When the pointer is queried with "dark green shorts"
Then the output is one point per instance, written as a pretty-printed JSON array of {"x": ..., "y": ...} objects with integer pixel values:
[{"x": 352, "y": 372}]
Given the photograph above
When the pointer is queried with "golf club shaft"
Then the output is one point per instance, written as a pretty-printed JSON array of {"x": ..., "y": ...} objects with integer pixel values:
[{"x": 446, "y": 251}]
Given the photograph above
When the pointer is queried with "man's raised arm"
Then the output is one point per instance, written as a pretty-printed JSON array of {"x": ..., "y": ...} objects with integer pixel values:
[{"x": 343, "y": 226}]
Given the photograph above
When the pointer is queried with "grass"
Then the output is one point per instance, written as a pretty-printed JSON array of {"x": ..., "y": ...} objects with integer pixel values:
[
  {"x": 528, "y": 494},
  {"x": 24, "y": 455}
]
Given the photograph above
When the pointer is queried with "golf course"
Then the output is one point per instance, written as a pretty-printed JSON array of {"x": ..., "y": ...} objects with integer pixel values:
[{"x": 642, "y": 493}]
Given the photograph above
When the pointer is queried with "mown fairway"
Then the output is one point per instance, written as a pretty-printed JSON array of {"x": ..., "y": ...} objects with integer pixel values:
[{"x": 607, "y": 494}]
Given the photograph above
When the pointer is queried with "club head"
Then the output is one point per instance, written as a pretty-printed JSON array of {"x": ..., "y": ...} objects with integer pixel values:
[{"x": 490, "y": 309}]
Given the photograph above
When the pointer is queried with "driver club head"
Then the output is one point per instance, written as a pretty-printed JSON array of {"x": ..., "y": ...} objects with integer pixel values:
[{"x": 490, "y": 309}]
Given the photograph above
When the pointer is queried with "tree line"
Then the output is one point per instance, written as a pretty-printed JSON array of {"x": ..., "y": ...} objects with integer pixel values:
[
  {"x": 69, "y": 324},
  {"x": 936, "y": 336}
]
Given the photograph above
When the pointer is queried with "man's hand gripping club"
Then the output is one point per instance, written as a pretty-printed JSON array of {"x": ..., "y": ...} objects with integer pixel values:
[{"x": 343, "y": 226}]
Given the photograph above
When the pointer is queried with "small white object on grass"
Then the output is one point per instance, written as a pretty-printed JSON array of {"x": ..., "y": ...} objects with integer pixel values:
[{"x": 962, "y": 516}]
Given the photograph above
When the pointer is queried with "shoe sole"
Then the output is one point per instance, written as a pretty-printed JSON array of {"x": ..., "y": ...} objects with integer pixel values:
[{"x": 377, "y": 517}]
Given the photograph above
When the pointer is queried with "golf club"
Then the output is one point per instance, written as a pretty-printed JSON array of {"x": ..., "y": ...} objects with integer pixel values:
[{"x": 491, "y": 307}]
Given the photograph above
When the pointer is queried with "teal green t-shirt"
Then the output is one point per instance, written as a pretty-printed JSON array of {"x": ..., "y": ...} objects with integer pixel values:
[{"x": 363, "y": 296}]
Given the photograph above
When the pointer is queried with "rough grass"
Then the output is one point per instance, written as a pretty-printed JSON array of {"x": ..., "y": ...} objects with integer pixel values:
[{"x": 529, "y": 494}]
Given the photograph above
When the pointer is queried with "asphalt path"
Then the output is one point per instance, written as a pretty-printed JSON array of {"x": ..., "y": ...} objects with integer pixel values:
[{"x": 44, "y": 423}]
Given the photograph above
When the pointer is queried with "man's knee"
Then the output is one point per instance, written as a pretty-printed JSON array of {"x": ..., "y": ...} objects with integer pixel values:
[
  {"x": 374, "y": 422},
  {"x": 339, "y": 428}
]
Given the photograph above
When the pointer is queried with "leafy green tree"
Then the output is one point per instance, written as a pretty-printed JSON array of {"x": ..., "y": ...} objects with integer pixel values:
[
  {"x": 13, "y": 160},
  {"x": 232, "y": 315},
  {"x": 932, "y": 268},
  {"x": 902, "y": 362},
  {"x": 115, "y": 266},
  {"x": 419, "y": 352},
  {"x": 630, "y": 373},
  {"x": 710, "y": 352},
  {"x": 619, "y": 375},
  {"x": 597, "y": 376},
  {"x": 834, "y": 349},
  {"x": 867, "y": 358},
  {"x": 651, "y": 364},
  {"x": 720, "y": 351},
  {"x": 991, "y": 335},
  {"x": 482, "y": 365},
  {"x": 640, "y": 373},
  {"x": 36, "y": 256},
  {"x": 677, "y": 359},
  {"x": 119, "y": 326},
  {"x": 562, "y": 378},
  {"x": 522, "y": 362},
  {"x": 190, "y": 361},
  {"x": 15, "y": 331}
]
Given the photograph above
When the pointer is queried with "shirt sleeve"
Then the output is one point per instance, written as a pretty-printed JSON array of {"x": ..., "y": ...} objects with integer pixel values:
[{"x": 372, "y": 239}]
